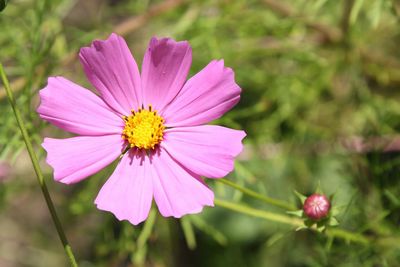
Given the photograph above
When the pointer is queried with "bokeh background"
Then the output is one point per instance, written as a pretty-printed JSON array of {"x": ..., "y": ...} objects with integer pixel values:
[{"x": 320, "y": 104}]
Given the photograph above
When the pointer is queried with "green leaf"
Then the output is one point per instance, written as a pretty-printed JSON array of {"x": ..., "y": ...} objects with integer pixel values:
[
  {"x": 301, "y": 228},
  {"x": 318, "y": 4},
  {"x": 355, "y": 11},
  {"x": 298, "y": 213},
  {"x": 392, "y": 198},
  {"x": 274, "y": 238},
  {"x": 3, "y": 4},
  {"x": 309, "y": 223},
  {"x": 335, "y": 211},
  {"x": 321, "y": 228},
  {"x": 300, "y": 196},
  {"x": 333, "y": 221},
  {"x": 318, "y": 190},
  {"x": 375, "y": 13}
]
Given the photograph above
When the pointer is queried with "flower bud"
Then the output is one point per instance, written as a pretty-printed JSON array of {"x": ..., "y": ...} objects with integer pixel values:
[{"x": 316, "y": 207}]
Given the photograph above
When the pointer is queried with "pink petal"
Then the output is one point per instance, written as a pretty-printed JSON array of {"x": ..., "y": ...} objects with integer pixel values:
[
  {"x": 207, "y": 150},
  {"x": 177, "y": 191},
  {"x": 76, "y": 109},
  {"x": 74, "y": 159},
  {"x": 165, "y": 67},
  {"x": 128, "y": 193},
  {"x": 110, "y": 67},
  {"x": 205, "y": 97}
]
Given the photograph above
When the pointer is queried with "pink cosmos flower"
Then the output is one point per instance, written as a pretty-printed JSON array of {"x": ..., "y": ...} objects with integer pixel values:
[{"x": 153, "y": 120}]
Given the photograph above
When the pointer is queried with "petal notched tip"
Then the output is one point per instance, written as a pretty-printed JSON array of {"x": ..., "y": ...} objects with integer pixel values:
[
  {"x": 155, "y": 41},
  {"x": 128, "y": 193},
  {"x": 98, "y": 44},
  {"x": 110, "y": 67},
  {"x": 196, "y": 210},
  {"x": 56, "y": 176},
  {"x": 120, "y": 217},
  {"x": 241, "y": 136},
  {"x": 45, "y": 91},
  {"x": 161, "y": 47},
  {"x": 76, "y": 158}
]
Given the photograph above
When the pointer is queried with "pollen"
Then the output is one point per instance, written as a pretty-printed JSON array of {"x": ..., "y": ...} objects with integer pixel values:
[{"x": 144, "y": 129}]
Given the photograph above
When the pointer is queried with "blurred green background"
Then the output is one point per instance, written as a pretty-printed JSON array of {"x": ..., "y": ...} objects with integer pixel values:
[{"x": 320, "y": 98}]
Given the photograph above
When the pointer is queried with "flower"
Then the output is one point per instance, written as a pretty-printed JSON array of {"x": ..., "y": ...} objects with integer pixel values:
[
  {"x": 316, "y": 207},
  {"x": 153, "y": 120}
]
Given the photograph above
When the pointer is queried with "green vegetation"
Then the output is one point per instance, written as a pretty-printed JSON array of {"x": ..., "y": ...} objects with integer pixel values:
[{"x": 319, "y": 103}]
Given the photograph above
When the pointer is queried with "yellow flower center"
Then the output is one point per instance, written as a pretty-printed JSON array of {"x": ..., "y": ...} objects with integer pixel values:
[{"x": 143, "y": 129}]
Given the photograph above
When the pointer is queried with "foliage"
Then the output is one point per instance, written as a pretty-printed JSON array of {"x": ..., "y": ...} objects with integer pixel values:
[{"x": 319, "y": 104}]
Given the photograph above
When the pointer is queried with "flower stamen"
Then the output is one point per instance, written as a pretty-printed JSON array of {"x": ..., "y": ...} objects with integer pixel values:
[{"x": 144, "y": 129}]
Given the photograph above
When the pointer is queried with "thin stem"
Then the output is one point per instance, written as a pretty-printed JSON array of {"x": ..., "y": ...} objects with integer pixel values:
[
  {"x": 147, "y": 229},
  {"x": 270, "y": 216},
  {"x": 37, "y": 169},
  {"x": 141, "y": 249},
  {"x": 188, "y": 232},
  {"x": 349, "y": 236},
  {"x": 272, "y": 201}
]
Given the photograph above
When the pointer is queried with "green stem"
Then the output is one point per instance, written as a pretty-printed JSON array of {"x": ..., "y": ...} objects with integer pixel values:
[
  {"x": 272, "y": 201},
  {"x": 37, "y": 169},
  {"x": 141, "y": 249},
  {"x": 147, "y": 229},
  {"x": 188, "y": 232},
  {"x": 349, "y": 236},
  {"x": 270, "y": 216}
]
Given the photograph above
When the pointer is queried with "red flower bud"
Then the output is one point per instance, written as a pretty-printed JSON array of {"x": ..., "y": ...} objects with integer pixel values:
[{"x": 316, "y": 207}]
